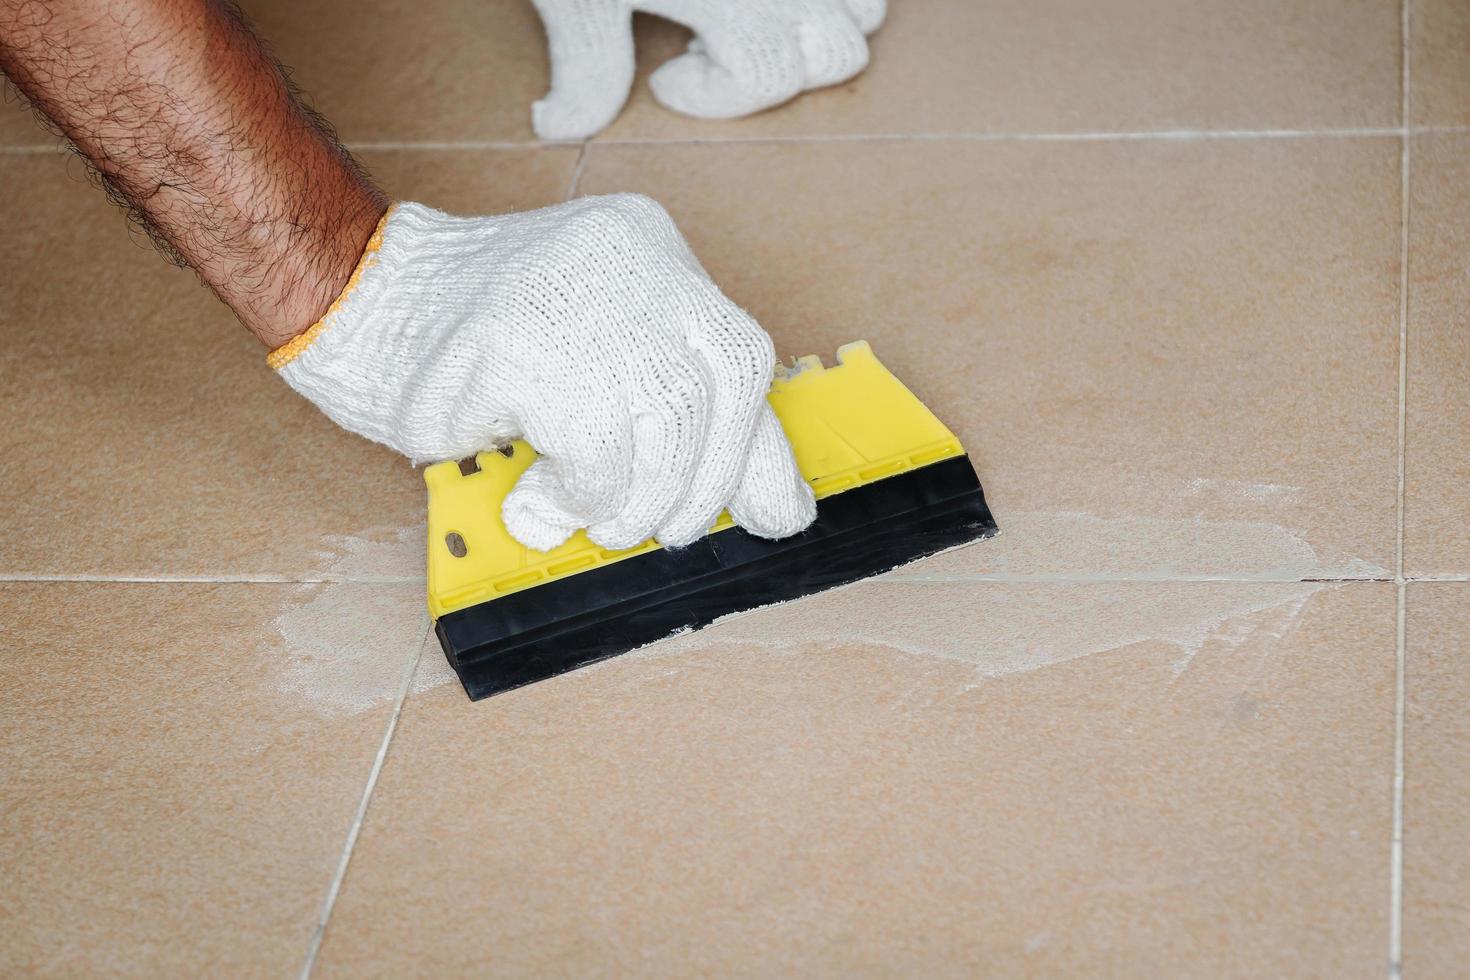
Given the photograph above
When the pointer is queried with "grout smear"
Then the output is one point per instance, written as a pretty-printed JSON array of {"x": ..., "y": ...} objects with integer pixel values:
[
  {"x": 1030, "y": 623},
  {"x": 1008, "y": 628},
  {"x": 382, "y": 552},
  {"x": 1074, "y": 546},
  {"x": 1261, "y": 493},
  {"x": 342, "y": 643},
  {"x": 1233, "y": 632}
]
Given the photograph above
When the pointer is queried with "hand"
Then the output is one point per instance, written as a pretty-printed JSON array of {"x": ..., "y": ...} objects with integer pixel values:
[
  {"x": 588, "y": 329},
  {"x": 747, "y": 55}
]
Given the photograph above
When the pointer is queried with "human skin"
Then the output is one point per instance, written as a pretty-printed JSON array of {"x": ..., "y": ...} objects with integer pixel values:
[{"x": 192, "y": 126}]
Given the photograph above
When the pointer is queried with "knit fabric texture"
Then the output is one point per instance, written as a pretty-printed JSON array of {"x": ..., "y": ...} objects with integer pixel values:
[
  {"x": 588, "y": 329},
  {"x": 746, "y": 55}
]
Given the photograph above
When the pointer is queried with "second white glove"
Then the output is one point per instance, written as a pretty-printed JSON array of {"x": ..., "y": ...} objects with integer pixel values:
[
  {"x": 747, "y": 55},
  {"x": 588, "y": 329}
]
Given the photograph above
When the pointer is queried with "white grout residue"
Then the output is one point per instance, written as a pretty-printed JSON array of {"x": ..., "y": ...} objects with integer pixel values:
[
  {"x": 1234, "y": 632},
  {"x": 383, "y": 552},
  {"x": 1073, "y": 546},
  {"x": 1011, "y": 628},
  {"x": 342, "y": 643},
  {"x": 1053, "y": 587},
  {"x": 1009, "y": 605},
  {"x": 1261, "y": 493}
]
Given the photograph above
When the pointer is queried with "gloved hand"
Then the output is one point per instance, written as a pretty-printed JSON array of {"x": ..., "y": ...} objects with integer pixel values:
[
  {"x": 588, "y": 329},
  {"x": 747, "y": 55}
]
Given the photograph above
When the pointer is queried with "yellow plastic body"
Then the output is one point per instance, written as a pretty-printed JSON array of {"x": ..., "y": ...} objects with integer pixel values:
[{"x": 849, "y": 425}]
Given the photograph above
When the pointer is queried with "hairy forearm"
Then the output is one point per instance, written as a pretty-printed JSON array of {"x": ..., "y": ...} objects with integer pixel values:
[{"x": 193, "y": 126}]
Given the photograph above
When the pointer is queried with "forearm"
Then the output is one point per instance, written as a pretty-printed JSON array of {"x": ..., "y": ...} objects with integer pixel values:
[{"x": 189, "y": 121}]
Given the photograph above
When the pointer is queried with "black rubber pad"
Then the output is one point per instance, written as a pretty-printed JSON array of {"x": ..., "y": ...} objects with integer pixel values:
[{"x": 568, "y": 623}]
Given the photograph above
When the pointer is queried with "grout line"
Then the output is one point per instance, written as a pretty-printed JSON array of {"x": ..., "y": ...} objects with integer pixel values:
[
  {"x": 1101, "y": 136},
  {"x": 330, "y": 902},
  {"x": 23, "y": 578},
  {"x": 213, "y": 579},
  {"x": 1066, "y": 578},
  {"x": 1403, "y": 365},
  {"x": 577, "y": 171},
  {"x": 1161, "y": 135},
  {"x": 458, "y": 145},
  {"x": 1396, "y": 843}
]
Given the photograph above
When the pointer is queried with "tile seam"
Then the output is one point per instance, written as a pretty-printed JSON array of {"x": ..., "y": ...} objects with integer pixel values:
[
  {"x": 389, "y": 145},
  {"x": 329, "y": 903},
  {"x": 958, "y": 577},
  {"x": 41, "y": 577},
  {"x": 1074, "y": 579},
  {"x": 917, "y": 579},
  {"x": 577, "y": 170},
  {"x": 1162, "y": 135},
  {"x": 1396, "y": 843},
  {"x": 1145, "y": 135}
]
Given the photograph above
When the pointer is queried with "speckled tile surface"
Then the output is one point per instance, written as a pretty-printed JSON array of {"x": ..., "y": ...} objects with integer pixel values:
[
  {"x": 18, "y": 127},
  {"x": 910, "y": 779},
  {"x": 181, "y": 764},
  {"x": 1102, "y": 324},
  {"x": 1069, "y": 66},
  {"x": 1437, "y": 790},
  {"x": 1437, "y": 442},
  {"x": 145, "y": 435},
  {"x": 1440, "y": 60},
  {"x": 442, "y": 70},
  {"x": 1148, "y": 260}
]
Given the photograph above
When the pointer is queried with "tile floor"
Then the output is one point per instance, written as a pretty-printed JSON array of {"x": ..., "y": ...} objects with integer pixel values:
[{"x": 1154, "y": 263}]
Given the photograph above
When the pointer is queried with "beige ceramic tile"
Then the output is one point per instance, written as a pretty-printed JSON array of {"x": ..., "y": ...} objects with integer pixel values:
[
  {"x": 18, "y": 127},
  {"x": 1436, "y": 787},
  {"x": 1437, "y": 455},
  {"x": 470, "y": 69},
  {"x": 475, "y": 181},
  {"x": 181, "y": 764},
  {"x": 1440, "y": 63},
  {"x": 144, "y": 433},
  {"x": 1074, "y": 66},
  {"x": 442, "y": 70},
  {"x": 447, "y": 70},
  {"x": 908, "y": 780},
  {"x": 1166, "y": 358}
]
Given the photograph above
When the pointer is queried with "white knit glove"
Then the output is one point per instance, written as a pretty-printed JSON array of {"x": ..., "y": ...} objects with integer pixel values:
[
  {"x": 588, "y": 329},
  {"x": 747, "y": 55}
]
